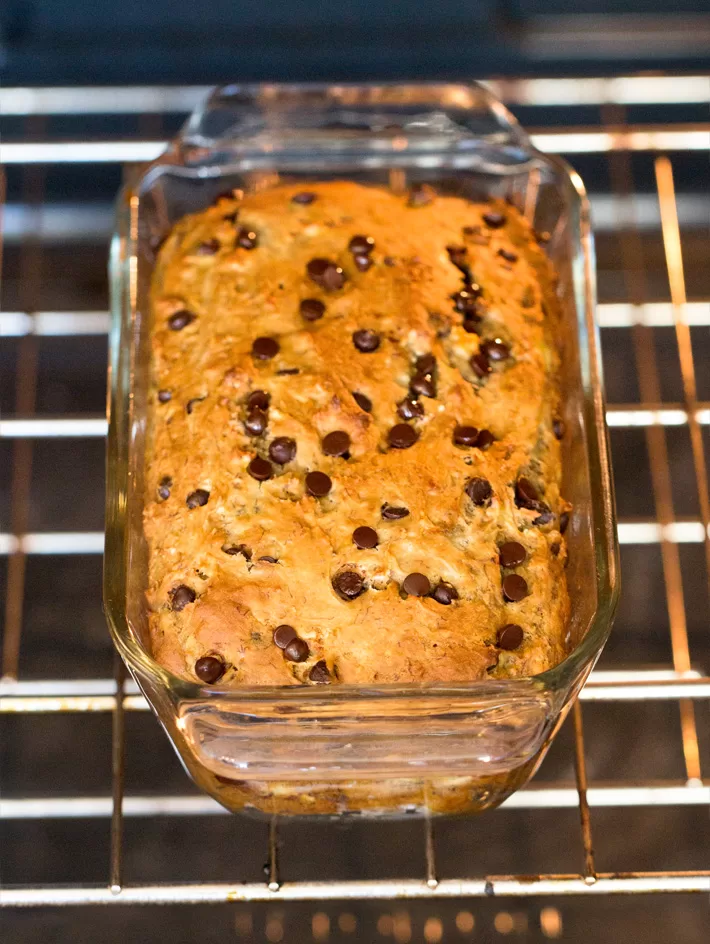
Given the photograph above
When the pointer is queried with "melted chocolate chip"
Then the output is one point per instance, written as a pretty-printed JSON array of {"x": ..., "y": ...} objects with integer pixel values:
[
  {"x": 319, "y": 673},
  {"x": 564, "y": 521},
  {"x": 393, "y": 512},
  {"x": 197, "y": 498},
  {"x": 234, "y": 549},
  {"x": 485, "y": 440},
  {"x": 409, "y": 409},
  {"x": 465, "y": 435},
  {"x": 365, "y": 403},
  {"x": 423, "y": 386},
  {"x": 444, "y": 593},
  {"x": 327, "y": 274},
  {"x": 416, "y": 585},
  {"x": 495, "y": 350},
  {"x": 515, "y": 588},
  {"x": 263, "y": 349},
  {"x": 545, "y": 517},
  {"x": 311, "y": 309},
  {"x": 348, "y": 584},
  {"x": 260, "y": 469},
  {"x": 164, "y": 488},
  {"x": 480, "y": 364},
  {"x": 508, "y": 255},
  {"x": 361, "y": 245},
  {"x": 420, "y": 195},
  {"x": 558, "y": 427},
  {"x": 268, "y": 560},
  {"x": 190, "y": 405},
  {"x": 208, "y": 248},
  {"x": 297, "y": 650},
  {"x": 402, "y": 436},
  {"x": 258, "y": 400},
  {"x": 366, "y": 341},
  {"x": 164, "y": 396},
  {"x": 304, "y": 197},
  {"x": 336, "y": 443},
  {"x": 466, "y": 302},
  {"x": 479, "y": 490},
  {"x": 284, "y": 635},
  {"x": 282, "y": 450},
  {"x": 365, "y": 538},
  {"x": 181, "y": 596},
  {"x": 247, "y": 238},
  {"x": 511, "y": 554},
  {"x": 472, "y": 325},
  {"x": 493, "y": 219},
  {"x": 526, "y": 495},
  {"x": 180, "y": 319},
  {"x": 318, "y": 484},
  {"x": 210, "y": 669},
  {"x": 256, "y": 422},
  {"x": 459, "y": 256},
  {"x": 362, "y": 263},
  {"x": 510, "y": 637}
]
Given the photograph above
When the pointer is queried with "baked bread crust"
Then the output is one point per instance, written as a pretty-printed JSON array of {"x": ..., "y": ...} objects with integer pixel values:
[{"x": 233, "y": 556}]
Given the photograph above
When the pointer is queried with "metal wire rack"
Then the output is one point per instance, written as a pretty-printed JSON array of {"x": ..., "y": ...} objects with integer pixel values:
[{"x": 644, "y": 305}]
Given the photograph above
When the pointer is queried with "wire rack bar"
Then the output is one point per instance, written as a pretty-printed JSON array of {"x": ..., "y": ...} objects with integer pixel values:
[{"x": 503, "y": 886}]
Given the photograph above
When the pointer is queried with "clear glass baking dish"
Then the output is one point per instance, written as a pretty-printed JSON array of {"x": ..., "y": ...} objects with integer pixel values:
[{"x": 343, "y": 749}]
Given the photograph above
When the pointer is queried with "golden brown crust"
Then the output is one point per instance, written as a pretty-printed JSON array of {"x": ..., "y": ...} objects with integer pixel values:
[{"x": 238, "y": 294}]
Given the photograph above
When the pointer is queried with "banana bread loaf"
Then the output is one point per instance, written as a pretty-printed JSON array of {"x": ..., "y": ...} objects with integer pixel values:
[{"x": 353, "y": 466}]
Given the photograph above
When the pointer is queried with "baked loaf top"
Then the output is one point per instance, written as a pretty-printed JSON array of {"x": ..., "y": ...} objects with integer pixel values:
[{"x": 353, "y": 463}]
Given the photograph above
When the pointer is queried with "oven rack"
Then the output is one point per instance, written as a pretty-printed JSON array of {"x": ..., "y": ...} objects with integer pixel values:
[{"x": 683, "y": 686}]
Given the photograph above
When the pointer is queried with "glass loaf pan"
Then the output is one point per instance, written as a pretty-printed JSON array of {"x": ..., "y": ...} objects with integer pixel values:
[{"x": 346, "y": 749}]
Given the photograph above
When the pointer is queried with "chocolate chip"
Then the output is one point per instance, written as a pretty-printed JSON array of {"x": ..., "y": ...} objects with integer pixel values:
[
  {"x": 479, "y": 490},
  {"x": 494, "y": 219},
  {"x": 393, "y": 512},
  {"x": 508, "y": 255},
  {"x": 318, "y": 484},
  {"x": 348, "y": 584},
  {"x": 495, "y": 350},
  {"x": 190, "y": 405},
  {"x": 234, "y": 549},
  {"x": 416, "y": 585},
  {"x": 515, "y": 588},
  {"x": 180, "y": 319},
  {"x": 564, "y": 521},
  {"x": 282, "y": 450},
  {"x": 402, "y": 436},
  {"x": 247, "y": 238},
  {"x": 208, "y": 248},
  {"x": 164, "y": 396},
  {"x": 319, "y": 673},
  {"x": 258, "y": 400},
  {"x": 325, "y": 273},
  {"x": 181, "y": 596},
  {"x": 304, "y": 197},
  {"x": 420, "y": 195},
  {"x": 365, "y": 340},
  {"x": 336, "y": 443},
  {"x": 361, "y": 245},
  {"x": 511, "y": 554},
  {"x": 365, "y": 538},
  {"x": 458, "y": 255},
  {"x": 362, "y": 263},
  {"x": 197, "y": 498},
  {"x": 472, "y": 325},
  {"x": 297, "y": 650},
  {"x": 268, "y": 560},
  {"x": 444, "y": 593},
  {"x": 365, "y": 403},
  {"x": 480, "y": 364},
  {"x": 288, "y": 372},
  {"x": 555, "y": 548},
  {"x": 263, "y": 349},
  {"x": 558, "y": 427},
  {"x": 210, "y": 669},
  {"x": 409, "y": 409},
  {"x": 485, "y": 440},
  {"x": 390, "y": 261},
  {"x": 284, "y": 635},
  {"x": 465, "y": 435},
  {"x": 510, "y": 637},
  {"x": 546, "y": 517},
  {"x": 256, "y": 422},
  {"x": 466, "y": 302},
  {"x": 260, "y": 469},
  {"x": 164, "y": 488},
  {"x": 526, "y": 495},
  {"x": 311, "y": 309},
  {"x": 423, "y": 386}
]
